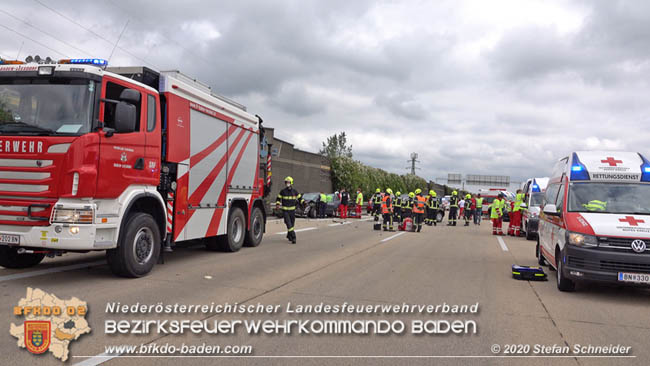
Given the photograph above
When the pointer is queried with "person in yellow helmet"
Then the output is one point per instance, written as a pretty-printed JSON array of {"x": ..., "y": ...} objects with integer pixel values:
[
  {"x": 432, "y": 209},
  {"x": 397, "y": 207},
  {"x": 376, "y": 203},
  {"x": 419, "y": 204},
  {"x": 468, "y": 210},
  {"x": 453, "y": 208},
  {"x": 387, "y": 210},
  {"x": 288, "y": 199}
]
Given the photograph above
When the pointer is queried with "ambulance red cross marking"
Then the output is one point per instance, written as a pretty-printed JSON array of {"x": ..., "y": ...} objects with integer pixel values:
[
  {"x": 631, "y": 220},
  {"x": 611, "y": 161}
]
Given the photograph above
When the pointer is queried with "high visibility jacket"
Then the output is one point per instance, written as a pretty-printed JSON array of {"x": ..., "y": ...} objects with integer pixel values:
[
  {"x": 418, "y": 204},
  {"x": 432, "y": 202},
  {"x": 595, "y": 205},
  {"x": 518, "y": 202},
  {"x": 377, "y": 199},
  {"x": 360, "y": 199},
  {"x": 453, "y": 201},
  {"x": 289, "y": 198},
  {"x": 407, "y": 203},
  {"x": 386, "y": 204},
  {"x": 496, "y": 209},
  {"x": 479, "y": 203},
  {"x": 398, "y": 202},
  {"x": 323, "y": 197}
]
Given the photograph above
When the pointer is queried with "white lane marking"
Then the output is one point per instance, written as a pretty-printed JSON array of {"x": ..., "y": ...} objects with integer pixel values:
[
  {"x": 340, "y": 223},
  {"x": 367, "y": 219},
  {"x": 97, "y": 360},
  {"x": 504, "y": 247},
  {"x": 297, "y": 231},
  {"x": 17, "y": 276},
  {"x": 393, "y": 236}
]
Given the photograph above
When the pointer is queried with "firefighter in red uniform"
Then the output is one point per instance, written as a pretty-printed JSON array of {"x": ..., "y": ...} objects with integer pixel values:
[
  {"x": 387, "y": 210},
  {"x": 288, "y": 199},
  {"x": 418, "y": 209}
]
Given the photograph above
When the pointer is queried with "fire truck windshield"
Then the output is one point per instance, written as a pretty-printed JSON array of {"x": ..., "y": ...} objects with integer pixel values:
[{"x": 45, "y": 106}]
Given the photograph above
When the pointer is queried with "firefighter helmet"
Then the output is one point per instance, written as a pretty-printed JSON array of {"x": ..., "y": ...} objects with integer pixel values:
[
  {"x": 377, "y": 190},
  {"x": 432, "y": 193},
  {"x": 389, "y": 191},
  {"x": 411, "y": 194},
  {"x": 288, "y": 179},
  {"x": 454, "y": 193},
  {"x": 398, "y": 193},
  {"x": 418, "y": 191}
]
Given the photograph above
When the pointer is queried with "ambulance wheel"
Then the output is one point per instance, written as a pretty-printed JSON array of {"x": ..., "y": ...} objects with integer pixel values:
[
  {"x": 234, "y": 238},
  {"x": 529, "y": 235},
  {"x": 540, "y": 257},
  {"x": 256, "y": 231},
  {"x": 9, "y": 258},
  {"x": 138, "y": 247},
  {"x": 563, "y": 284}
]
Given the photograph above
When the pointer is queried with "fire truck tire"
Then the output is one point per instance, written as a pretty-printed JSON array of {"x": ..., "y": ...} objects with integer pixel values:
[
  {"x": 256, "y": 232},
  {"x": 234, "y": 238},
  {"x": 138, "y": 247},
  {"x": 9, "y": 258}
]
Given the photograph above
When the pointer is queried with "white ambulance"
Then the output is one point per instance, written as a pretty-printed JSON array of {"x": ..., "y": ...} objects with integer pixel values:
[
  {"x": 534, "y": 189},
  {"x": 595, "y": 225}
]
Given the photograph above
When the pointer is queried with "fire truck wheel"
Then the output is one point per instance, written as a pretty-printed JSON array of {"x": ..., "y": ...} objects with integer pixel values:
[
  {"x": 254, "y": 235},
  {"x": 9, "y": 258},
  {"x": 138, "y": 247},
  {"x": 234, "y": 238}
]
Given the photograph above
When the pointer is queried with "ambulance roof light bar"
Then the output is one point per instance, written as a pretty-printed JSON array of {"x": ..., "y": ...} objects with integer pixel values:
[
  {"x": 578, "y": 170},
  {"x": 645, "y": 169}
]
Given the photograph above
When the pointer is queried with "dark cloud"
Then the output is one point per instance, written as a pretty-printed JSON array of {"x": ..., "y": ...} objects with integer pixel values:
[{"x": 469, "y": 97}]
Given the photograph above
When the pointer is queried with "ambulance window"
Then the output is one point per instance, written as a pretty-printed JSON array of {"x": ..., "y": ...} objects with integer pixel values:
[
  {"x": 560, "y": 198},
  {"x": 151, "y": 113},
  {"x": 551, "y": 194},
  {"x": 113, "y": 92}
]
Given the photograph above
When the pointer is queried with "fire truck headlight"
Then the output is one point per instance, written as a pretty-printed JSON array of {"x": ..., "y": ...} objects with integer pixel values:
[
  {"x": 45, "y": 70},
  {"x": 73, "y": 216},
  {"x": 74, "y": 230}
]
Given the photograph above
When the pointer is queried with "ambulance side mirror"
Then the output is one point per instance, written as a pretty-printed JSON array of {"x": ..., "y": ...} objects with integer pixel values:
[{"x": 551, "y": 210}]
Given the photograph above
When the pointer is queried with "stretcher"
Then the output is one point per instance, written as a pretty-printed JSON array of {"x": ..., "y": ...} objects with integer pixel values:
[{"x": 528, "y": 273}]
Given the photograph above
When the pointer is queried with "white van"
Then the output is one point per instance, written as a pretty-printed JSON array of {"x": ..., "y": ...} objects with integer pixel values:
[
  {"x": 595, "y": 225},
  {"x": 534, "y": 190}
]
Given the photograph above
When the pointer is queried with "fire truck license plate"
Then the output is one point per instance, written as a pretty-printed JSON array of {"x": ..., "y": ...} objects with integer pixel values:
[
  {"x": 634, "y": 277},
  {"x": 9, "y": 239}
]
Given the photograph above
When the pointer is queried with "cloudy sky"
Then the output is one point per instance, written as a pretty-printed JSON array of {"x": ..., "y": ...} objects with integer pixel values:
[{"x": 475, "y": 87}]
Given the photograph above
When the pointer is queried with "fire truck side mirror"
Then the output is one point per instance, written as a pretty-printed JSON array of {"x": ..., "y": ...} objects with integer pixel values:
[
  {"x": 130, "y": 95},
  {"x": 125, "y": 117}
]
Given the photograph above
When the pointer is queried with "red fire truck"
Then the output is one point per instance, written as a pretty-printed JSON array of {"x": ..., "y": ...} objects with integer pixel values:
[{"x": 126, "y": 160}]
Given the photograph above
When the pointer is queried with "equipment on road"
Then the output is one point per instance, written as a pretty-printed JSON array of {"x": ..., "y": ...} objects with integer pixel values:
[
  {"x": 125, "y": 160},
  {"x": 528, "y": 273},
  {"x": 407, "y": 225}
]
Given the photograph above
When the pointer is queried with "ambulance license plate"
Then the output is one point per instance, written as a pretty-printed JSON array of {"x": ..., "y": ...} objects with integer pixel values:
[
  {"x": 633, "y": 277},
  {"x": 9, "y": 239}
]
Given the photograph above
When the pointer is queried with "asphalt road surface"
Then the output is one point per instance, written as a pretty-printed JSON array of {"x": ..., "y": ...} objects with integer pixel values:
[{"x": 335, "y": 263}]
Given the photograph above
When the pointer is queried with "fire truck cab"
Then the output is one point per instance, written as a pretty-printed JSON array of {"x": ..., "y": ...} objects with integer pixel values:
[{"x": 124, "y": 160}]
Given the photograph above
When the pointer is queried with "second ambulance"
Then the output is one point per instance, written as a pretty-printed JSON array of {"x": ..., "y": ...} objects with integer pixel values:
[{"x": 595, "y": 225}]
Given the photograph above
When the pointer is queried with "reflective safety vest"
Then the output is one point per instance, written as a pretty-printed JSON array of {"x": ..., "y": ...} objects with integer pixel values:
[
  {"x": 518, "y": 202},
  {"x": 289, "y": 198},
  {"x": 386, "y": 204},
  {"x": 360, "y": 199},
  {"x": 323, "y": 197},
  {"x": 432, "y": 202},
  {"x": 418, "y": 204},
  {"x": 496, "y": 210},
  {"x": 479, "y": 203},
  {"x": 407, "y": 203},
  {"x": 595, "y": 205},
  {"x": 453, "y": 201}
]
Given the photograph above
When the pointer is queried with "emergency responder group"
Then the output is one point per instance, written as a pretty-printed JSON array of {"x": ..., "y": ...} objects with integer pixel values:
[{"x": 414, "y": 209}]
